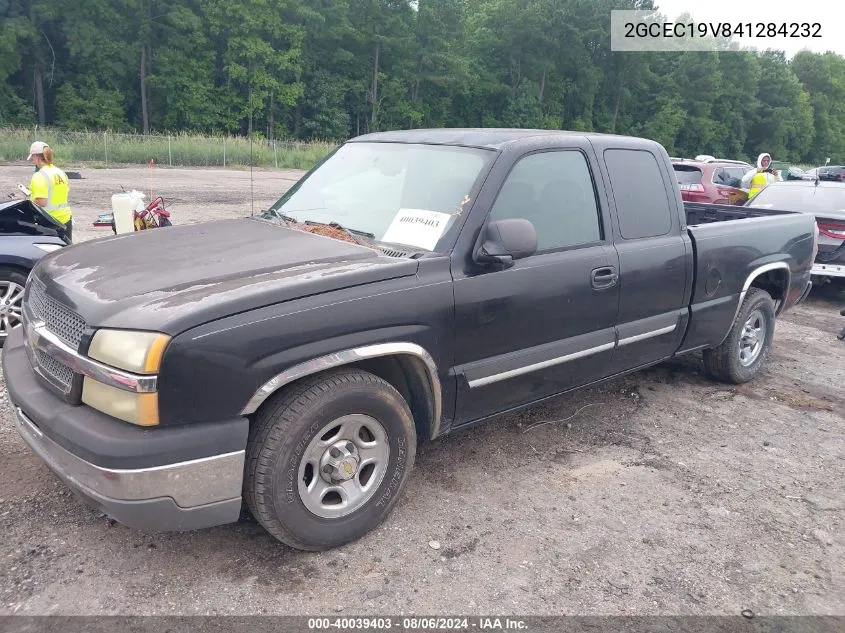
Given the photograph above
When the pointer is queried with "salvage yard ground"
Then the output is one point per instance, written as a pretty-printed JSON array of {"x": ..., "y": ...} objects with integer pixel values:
[{"x": 671, "y": 494}]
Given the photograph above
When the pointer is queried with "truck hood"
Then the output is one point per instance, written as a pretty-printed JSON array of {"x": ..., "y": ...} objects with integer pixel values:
[{"x": 175, "y": 278}]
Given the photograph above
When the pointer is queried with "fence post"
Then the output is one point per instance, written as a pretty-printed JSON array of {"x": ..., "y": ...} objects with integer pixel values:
[
  {"x": 275, "y": 157},
  {"x": 106, "y": 145},
  {"x": 224, "y": 151},
  {"x": 169, "y": 153}
]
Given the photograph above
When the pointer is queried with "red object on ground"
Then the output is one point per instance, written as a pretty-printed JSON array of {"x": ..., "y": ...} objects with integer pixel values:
[{"x": 153, "y": 216}]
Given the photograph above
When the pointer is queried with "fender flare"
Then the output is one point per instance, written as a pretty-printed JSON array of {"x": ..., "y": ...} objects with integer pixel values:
[
  {"x": 348, "y": 357},
  {"x": 761, "y": 270}
]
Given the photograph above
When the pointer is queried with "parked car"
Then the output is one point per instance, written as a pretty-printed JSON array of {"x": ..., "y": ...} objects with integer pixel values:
[
  {"x": 475, "y": 272},
  {"x": 788, "y": 171},
  {"x": 795, "y": 173},
  {"x": 716, "y": 183},
  {"x": 26, "y": 234},
  {"x": 826, "y": 202},
  {"x": 833, "y": 173}
]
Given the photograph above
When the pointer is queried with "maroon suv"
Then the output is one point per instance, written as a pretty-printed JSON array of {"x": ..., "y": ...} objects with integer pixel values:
[{"x": 714, "y": 182}]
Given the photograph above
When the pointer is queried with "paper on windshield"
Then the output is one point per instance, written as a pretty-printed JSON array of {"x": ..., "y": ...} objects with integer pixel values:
[{"x": 417, "y": 227}]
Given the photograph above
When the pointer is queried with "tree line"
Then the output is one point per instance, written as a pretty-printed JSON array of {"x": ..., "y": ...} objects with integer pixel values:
[{"x": 331, "y": 69}]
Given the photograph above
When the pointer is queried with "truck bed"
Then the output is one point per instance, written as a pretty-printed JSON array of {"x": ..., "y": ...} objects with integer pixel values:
[
  {"x": 703, "y": 213},
  {"x": 731, "y": 244}
]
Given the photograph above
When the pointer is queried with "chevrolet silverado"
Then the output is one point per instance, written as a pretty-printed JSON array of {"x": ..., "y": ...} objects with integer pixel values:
[{"x": 170, "y": 377}]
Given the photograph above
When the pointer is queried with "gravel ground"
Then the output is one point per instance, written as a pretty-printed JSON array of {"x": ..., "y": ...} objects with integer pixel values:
[
  {"x": 191, "y": 195},
  {"x": 671, "y": 494}
]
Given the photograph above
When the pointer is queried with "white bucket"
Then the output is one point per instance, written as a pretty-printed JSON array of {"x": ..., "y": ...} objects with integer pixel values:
[{"x": 123, "y": 207}]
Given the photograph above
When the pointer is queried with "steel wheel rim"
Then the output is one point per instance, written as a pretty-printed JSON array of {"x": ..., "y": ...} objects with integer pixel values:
[
  {"x": 343, "y": 466},
  {"x": 752, "y": 339},
  {"x": 11, "y": 296}
]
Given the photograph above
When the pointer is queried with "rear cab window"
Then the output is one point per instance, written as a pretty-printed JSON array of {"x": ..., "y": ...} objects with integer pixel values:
[{"x": 639, "y": 191}]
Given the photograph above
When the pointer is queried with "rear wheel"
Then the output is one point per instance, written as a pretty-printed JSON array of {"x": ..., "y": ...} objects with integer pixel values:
[
  {"x": 328, "y": 459},
  {"x": 742, "y": 355},
  {"x": 12, "y": 284}
]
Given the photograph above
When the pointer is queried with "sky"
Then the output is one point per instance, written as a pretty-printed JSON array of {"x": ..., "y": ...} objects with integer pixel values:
[{"x": 830, "y": 14}]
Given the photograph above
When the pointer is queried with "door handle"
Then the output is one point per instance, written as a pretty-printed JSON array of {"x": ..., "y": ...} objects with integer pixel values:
[{"x": 604, "y": 277}]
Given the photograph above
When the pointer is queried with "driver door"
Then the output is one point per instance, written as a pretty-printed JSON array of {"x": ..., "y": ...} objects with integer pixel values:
[{"x": 547, "y": 324}]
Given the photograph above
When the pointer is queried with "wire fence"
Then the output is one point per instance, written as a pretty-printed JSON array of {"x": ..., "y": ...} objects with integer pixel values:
[{"x": 176, "y": 150}]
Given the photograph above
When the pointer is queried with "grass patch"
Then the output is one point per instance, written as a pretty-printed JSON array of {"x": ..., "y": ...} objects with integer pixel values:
[{"x": 178, "y": 150}]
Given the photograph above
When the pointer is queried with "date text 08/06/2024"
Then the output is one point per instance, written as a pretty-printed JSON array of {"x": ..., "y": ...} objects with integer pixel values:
[{"x": 654, "y": 30}]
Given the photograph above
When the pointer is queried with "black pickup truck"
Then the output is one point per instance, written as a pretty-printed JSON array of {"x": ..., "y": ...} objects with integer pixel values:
[{"x": 168, "y": 376}]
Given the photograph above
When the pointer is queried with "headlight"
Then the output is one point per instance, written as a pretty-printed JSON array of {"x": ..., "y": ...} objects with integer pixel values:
[
  {"x": 138, "y": 352},
  {"x": 49, "y": 248},
  {"x": 136, "y": 408},
  {"x": 132, "y": 351}
]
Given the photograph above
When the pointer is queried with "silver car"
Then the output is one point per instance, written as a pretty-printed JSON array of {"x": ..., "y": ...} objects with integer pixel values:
[{"x": 825, "y": 200}]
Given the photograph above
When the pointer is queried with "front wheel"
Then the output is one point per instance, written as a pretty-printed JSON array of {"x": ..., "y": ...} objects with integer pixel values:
[
  {"x": 12, "y": 283},
  {"x": 329, "y": 458},
  {"x": 742, "y": 355}
]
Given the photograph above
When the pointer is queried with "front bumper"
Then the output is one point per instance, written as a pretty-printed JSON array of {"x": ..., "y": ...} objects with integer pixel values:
[{"x": 163, "y": 479}]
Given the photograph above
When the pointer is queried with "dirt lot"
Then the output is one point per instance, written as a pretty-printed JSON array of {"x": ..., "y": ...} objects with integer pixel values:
[
  {"x": 191, "y": 195},
  {"x": 670, "y": 495}
]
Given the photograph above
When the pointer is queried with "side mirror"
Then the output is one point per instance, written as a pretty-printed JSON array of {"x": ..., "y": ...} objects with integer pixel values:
[{"x": 504, "y": 241}]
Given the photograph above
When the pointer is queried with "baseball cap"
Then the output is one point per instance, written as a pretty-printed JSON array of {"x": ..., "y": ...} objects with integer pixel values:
[{"x": 36, "y": 148}]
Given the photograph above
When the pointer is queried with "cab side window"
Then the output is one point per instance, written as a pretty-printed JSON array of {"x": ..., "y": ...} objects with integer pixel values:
[
  {"x": 554, "y": 191},
  {"x": 641, "y": 199}
]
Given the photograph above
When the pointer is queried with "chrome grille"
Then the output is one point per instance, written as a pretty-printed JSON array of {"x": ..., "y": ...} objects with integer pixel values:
[
  {"x": 58, "y": 372},
  {"x": 58, "y": 319}
]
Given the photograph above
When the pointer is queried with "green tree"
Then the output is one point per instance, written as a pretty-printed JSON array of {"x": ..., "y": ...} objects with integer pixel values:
[
  {"x": 336, "y": 68},
  {"x": 97, "y": 88},
  {"x": 181, "y": 83},
  {"x": 15, "y": 30},
  {"x": 784, "y": 127},
  {"x": 441, "y": 67},
  {"x": 260, "y": 42},
  {"x": 823, "y": 77}
]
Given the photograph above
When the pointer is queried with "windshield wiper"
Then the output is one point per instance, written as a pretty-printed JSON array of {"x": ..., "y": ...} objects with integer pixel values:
[
  {"x": 337, "y": 225},
  {"x": 288, "y": 220},
  {"x": 279, "y": 217},
  {"x": 370, "y": 236}
]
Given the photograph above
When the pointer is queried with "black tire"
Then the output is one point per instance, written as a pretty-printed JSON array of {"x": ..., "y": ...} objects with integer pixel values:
[
  {"x": 283, "y": 430},
  {"x": 8, "y": 275},
  {"x": 724, "y": 362}
]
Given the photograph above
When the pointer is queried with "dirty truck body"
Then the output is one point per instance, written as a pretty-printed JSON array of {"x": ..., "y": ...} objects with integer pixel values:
[{"x": 169, "y": 377}]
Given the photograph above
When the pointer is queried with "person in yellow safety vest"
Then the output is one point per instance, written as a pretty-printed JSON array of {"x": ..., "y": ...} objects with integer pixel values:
[
  {"x": 49, "y": 186},
  {"x": 764, "y": 175}
]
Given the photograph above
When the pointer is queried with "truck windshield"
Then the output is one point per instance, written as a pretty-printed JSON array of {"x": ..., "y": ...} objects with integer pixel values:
[{"x": 398, "y": 193}]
